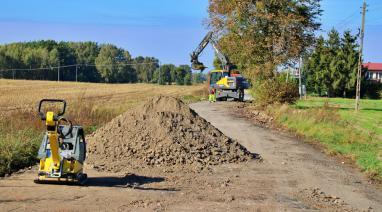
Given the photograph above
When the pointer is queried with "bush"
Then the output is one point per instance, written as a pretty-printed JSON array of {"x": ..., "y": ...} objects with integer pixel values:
[
  {"x": 18, "y": 150},
  {"x": 372, "y": 90},
  {"x": 274, "y": 90}
]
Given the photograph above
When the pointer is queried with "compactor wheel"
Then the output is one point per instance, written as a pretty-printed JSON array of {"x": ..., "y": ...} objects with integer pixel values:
[{"x": 82, "y": 179}]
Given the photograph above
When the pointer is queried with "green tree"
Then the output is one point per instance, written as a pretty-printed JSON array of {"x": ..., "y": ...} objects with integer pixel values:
[
  {"x": 198, "y": 78},
  {"x": 331, "y": 68},
  {"x": 182, "y": 72},
  {"x": 312, "y": 68},
  {"x": 166, "y": 71},
  {"x": 112, "y": 65},
  {"x": 217, "y": 63},
  {"x": 260, "y": 35},
  {"x": 349, "y": 53},
  {"x": 188, "y": 78},
  {"x": 332, "y": 71},
  {"x": 179, "y": 75},
  {"x": 86, "y": 53},
  {"x": 53, "y": 62},
  {"x": 145, "y": 67}
]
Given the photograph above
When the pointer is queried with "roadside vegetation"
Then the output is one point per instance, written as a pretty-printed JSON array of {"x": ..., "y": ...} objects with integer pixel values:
[
  {"x": 333, "y": 123},
  {"x": 90, "y": 105}
]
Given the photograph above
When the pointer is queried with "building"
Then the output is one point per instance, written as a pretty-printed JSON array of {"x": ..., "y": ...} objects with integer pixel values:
[{"x": 373, "y": 71}]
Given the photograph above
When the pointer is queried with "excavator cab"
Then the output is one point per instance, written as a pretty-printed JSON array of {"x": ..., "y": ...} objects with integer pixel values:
[
  {"x": 216, "y": 75},
  {"x": 63, "y": 149}
]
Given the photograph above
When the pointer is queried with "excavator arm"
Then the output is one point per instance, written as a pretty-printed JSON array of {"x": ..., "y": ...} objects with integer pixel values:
[
  {"x": 196, "y": 65},
  {"x": 223, "y": 59}
]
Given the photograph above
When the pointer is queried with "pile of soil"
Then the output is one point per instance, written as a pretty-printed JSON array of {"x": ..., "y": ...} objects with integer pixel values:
[{"x": 163, "y": 132}]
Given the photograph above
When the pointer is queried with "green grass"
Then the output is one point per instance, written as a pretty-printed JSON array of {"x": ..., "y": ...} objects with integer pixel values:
[
  {"x": 18, "y": 149},
  {"x": 369, "y": 119},
  {"x": 334, "y": 123}
]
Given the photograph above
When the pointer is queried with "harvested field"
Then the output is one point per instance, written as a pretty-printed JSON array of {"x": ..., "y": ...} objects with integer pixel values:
[
  {"x": 163, "y": 132},
  {"x": 89, "y": 104},
  {"x": 21, "y": 95}
]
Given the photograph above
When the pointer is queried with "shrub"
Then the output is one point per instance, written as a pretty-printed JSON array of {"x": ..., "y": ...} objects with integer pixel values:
[
  {"x": 274, "y": 90},
  {"x": 372, "y": 90},
  {"x": 18, "y": 150}
]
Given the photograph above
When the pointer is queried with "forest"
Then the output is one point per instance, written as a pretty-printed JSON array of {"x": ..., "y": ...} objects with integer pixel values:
[{"x": 87, "y": 62}]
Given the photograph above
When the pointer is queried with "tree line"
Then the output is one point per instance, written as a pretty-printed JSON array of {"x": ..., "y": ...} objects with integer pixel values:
[
  {"x": 39, "y": 60},
  {"x": 331, "y": 68}
]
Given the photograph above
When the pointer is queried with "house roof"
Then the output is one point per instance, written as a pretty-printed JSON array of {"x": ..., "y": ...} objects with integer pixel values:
[{"x": 373, "y": 66}]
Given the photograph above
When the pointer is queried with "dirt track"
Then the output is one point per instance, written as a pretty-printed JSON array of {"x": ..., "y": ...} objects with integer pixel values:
[{"x": 293, "y": 176}]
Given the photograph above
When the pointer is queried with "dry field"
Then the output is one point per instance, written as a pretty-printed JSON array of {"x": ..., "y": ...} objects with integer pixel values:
[
  {"x": 24, "y": 95},
  {"x": 90, "y": 105}
]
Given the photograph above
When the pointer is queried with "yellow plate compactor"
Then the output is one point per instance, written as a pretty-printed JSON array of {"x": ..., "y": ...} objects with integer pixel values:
[{"x": 63, "y": 149}]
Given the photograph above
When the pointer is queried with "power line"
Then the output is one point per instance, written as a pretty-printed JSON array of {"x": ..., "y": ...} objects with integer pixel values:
[
  {"x": 73, "y": 65},
  {"x": 347, "y": 20},
  {"x": 13, "y": 70},
  {"x": 122, "y": 64},
  {"x": 34, "y": 69}
]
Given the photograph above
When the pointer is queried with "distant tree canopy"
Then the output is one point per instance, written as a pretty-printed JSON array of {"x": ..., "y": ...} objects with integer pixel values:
[
  {"x": 260, "y": 35},
  {"x": 169, "y": 74},
  {"x": 96, "y": 63},
  {"x": 114, "y": 64}
]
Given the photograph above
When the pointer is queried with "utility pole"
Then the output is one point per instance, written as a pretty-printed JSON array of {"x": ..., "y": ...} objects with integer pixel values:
[
  {"x": 76, "y": 72},
  {"x": 358, "y": 88},
  {"x": 299, "y": 78}
]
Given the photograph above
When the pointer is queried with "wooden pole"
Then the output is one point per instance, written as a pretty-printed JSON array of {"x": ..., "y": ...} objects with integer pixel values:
[{"x": 358, "y": 88}]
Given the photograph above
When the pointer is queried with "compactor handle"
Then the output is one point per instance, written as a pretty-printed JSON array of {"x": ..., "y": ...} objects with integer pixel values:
[{"x": 61, "y": 113}]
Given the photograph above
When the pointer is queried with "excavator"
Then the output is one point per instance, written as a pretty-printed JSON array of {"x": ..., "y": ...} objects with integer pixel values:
[
  {"x": 63, "y": 149},
  {"x": 227, "y": 82}
]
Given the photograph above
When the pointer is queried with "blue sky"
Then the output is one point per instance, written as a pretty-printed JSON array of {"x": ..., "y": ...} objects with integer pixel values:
[{"x": 166, "y": 29}]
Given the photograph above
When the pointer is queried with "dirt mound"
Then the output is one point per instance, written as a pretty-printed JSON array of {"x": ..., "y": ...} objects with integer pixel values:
[{"x": 163, "y": 132}]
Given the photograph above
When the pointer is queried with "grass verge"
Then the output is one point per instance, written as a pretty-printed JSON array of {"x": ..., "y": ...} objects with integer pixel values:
[{"x": 334, "y": 124}]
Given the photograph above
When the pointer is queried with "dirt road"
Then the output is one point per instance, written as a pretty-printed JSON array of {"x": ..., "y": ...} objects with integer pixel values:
[
  {"x": 297, "y": 173},
  {"x": 293, "y": 176}
]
